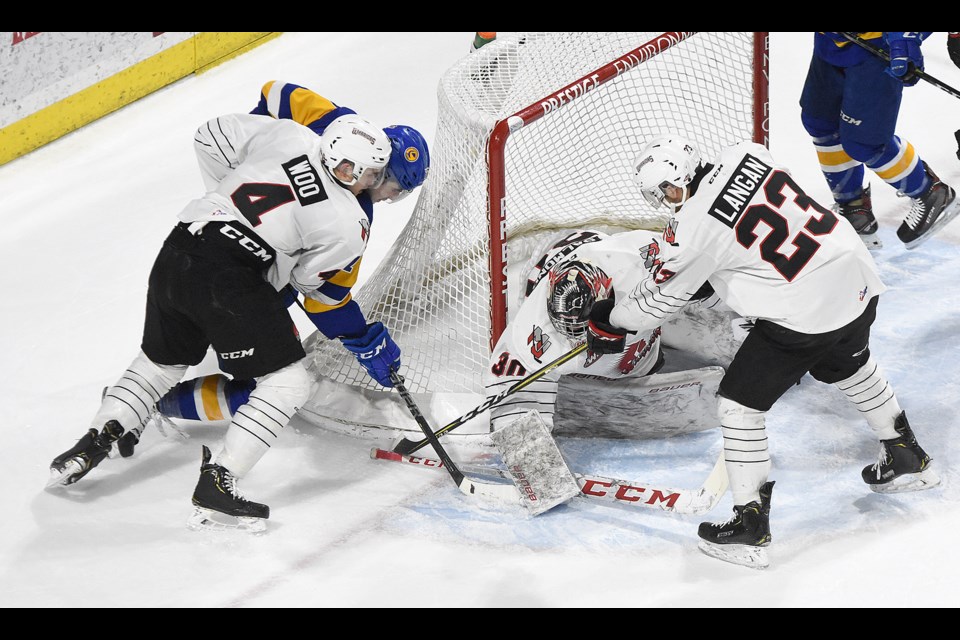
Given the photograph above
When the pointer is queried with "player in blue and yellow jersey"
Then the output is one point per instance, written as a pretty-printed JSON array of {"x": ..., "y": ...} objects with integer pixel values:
[
  {"x": 849, "y": 106},
  {"x": 332, "y": 308}
]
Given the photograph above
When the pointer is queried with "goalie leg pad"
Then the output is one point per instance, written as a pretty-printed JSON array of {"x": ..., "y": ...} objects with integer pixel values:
[{"x": 536, "y": 465}]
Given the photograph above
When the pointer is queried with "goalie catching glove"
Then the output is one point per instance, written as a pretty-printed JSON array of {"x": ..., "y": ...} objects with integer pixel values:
[
  {"x": 602, "y": 337},
  {"x": 376, "y": 352}
]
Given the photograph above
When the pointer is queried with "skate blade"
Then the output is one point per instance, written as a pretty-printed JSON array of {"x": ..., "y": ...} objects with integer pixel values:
[
  {"x": 63, "y": 477},
  {"x": 872, "y": 241},
  {"x": 948, "y": 215},
  {"x": 926, "y": 479},
  {"x": 208, "y": 520},
  {"x": 741, "y": 554}
]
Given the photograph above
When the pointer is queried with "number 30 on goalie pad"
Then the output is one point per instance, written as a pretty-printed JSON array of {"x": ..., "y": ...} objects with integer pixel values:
[{"x": 535, "y": 463}]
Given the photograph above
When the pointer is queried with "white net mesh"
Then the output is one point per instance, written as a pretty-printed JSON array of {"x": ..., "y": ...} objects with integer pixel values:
[{"x": 571, "y": 168}]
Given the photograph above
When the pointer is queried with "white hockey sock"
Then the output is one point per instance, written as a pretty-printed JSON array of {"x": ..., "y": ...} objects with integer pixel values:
[
  {"x": 873, "y": 396},
  {"x": 744, "y": 449},
  {"x": 131, "y": 400},
  {"x": 257, "y": 424}
]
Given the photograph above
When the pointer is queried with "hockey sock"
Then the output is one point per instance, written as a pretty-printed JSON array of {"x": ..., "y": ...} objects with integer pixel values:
[
  {"x": 257, "y": 424},
  {"x": 207, "y": 399},
  {"x": 900, "y": 167},
  {"x": 744, "y": 449},
  {"x": 870, "y": 392},
  {"x": 131, "y": 400},
  {"x": 843, "y": 173}
]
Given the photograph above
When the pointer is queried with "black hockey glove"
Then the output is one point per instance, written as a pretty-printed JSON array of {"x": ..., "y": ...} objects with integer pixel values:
[
  {"x": 953, "y": 46},
  {"x": 602, "y": 337}
]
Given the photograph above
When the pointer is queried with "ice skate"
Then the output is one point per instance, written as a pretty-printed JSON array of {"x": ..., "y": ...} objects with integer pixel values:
[
  {"x": 90, "y": 450},
  {"x": 859, "y": 213},
  {"x": 743, "y": 538},
  {"x": 931, "y": 211},
  {"x": 218, "y": 503},
  {"x": 902, "y": 464}
]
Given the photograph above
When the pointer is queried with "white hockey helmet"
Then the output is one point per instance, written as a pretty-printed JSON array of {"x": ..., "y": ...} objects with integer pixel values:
[
  {"x": 354, "y": 149},
  {"x": 666, "y": 160}
]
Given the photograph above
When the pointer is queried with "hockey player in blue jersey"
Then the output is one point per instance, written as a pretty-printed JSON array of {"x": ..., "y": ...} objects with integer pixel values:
[
  {"x": 849, "y": 106},
  {"x": 329, "y": 306}
]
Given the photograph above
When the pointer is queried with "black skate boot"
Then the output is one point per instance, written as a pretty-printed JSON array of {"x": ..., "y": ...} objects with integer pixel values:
[
  {"x": 860, "y": 214},
  {"x": 90, "y": 450},
  {"x": 742, "y": 538},
  {"x": 902, "y": 465},
  {"x": 930, "y": 212},
  {"x": 218, "y": 503}
]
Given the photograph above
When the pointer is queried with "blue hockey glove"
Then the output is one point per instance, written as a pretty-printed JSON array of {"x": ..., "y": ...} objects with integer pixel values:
[
  {"x": 602, "y": 337},
  {"x": 376, "y": 351},
  {"x": 905, "y": 55}
]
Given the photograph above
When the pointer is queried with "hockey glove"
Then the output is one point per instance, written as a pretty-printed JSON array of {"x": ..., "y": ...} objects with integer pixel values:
[
  {"x": 376, "y": 352},
  {"x": 953, "y": 46},
  {"x": 905, "y": 56},
  {"x": 602, "y": 337}
]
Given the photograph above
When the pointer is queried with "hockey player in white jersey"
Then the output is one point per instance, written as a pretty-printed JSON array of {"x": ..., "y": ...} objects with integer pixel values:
[
  {"x": 281, "y": 210},
  {"x": 774, "y": 254},
  {"x": 575, "y": 270}
]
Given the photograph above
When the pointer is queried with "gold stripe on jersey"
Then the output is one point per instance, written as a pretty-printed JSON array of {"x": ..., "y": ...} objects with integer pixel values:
[
  {"x": 345, "y": 278},
  {"x": 312, "y": 305},
  {"x": 305, "y": 105},
  {"x": 864, "y": 35},
  {"x": 900, "y": 167}
]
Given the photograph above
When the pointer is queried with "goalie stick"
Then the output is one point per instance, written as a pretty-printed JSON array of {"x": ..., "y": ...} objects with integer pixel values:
[
  {"x": 407, "y": 447},
  {"x": 608, "y": 491},
  {"x": 497, "y": 491}
]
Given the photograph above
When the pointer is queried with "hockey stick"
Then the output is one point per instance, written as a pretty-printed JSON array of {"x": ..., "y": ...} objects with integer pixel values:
[
  {"x": 883, "y": 55},
  {"x": 610, "y": 491},
  {"x": 496, "y": 491},
  {"x": 406, "y": 447}
]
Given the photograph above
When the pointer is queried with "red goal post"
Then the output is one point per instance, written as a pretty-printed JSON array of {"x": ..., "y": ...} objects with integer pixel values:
[
  {"x": 558, "y": 99},
  {"x": 536, "y": 134}
]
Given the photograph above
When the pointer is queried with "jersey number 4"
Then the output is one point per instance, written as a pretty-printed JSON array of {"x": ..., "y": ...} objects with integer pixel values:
[{"x": 777, "y": 214}]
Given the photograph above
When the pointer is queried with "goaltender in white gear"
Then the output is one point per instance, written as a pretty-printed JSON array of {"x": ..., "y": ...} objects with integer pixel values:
[
  {"x": 563, "y": 280},
  {"x": 771, "y": 253}
]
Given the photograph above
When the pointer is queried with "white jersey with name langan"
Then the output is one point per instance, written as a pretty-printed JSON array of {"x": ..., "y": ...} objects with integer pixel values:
[
  {"x": 768, "y": 250},
  {"x": 267, "y": 174}
]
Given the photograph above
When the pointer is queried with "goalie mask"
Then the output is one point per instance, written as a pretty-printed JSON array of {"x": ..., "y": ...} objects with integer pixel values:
[
  {"x": 574, "y": 288},
  {"x": 666, "y": 161}
]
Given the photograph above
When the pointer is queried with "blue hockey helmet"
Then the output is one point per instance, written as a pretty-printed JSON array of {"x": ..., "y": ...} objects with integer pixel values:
[{"x": 409, "y": 160}]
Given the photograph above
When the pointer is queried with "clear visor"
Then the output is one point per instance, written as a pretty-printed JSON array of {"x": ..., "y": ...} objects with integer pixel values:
[
  {"x": 655, "y": 195},
  {"x": 390, "y": 189},
  {"x": 356, "y": 174}
]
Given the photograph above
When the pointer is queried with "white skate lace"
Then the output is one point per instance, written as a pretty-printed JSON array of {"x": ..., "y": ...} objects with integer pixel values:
[
  {"x": 231, "y": 485},
  {"x": 881, "y": 460},
  {"x": 917, "y": 212}
]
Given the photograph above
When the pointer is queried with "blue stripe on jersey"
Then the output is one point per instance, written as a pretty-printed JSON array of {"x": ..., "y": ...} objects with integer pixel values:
[
  {"x": 334, "y": 291},
  {"x": 319, "y": 125}
]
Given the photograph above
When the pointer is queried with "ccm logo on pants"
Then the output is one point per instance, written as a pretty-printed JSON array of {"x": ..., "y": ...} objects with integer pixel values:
[{"x": 235, "y": 355}]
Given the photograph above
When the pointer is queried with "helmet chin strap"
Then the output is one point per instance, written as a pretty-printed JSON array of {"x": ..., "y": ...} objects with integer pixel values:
[{"x": 674, "y": 207}]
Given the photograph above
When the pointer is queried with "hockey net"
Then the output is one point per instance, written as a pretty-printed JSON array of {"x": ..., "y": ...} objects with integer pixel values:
[{"x": 536, "y": 133}]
